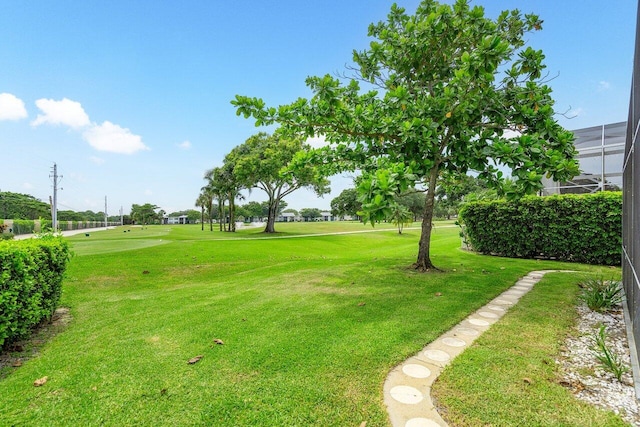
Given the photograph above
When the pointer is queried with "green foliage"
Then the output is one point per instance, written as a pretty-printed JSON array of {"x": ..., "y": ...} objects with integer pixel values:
[
  {"x": 145, "y": 214},
  {"x": 414, "y": 201},
  {"x": 309, "y": 214},
  {"x": 400, "y": 216},
  {"x": 263, "y": 162},
  {"x": 577, "y": 228},
  {"x": 448, "y": 82},
  {"x": 453, "y": 190},
  {"x": 609, "y": 360},
  {"x": 22, "y": 206},
  {"x": 31, "y": 273},
  {"x": 23, "y": 226},
  {"x": 346, "y": 203},
  {"x": 601, "y": 295}
]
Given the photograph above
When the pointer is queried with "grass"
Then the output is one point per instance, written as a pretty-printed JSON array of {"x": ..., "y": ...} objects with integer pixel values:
[
  {"x": 509, "y": 377},
  {"x": 311, "y": 325}
]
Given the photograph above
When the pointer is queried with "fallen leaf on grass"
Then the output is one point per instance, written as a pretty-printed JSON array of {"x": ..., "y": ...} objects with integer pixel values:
[
  {"x": 145, "y": 272},
  {"x": 40, "y": 381},
  {"x": 361, "y": 304},
  {"x": 363, "y": 424},
  {"x": 16, "y": 364},
  {"x": 527, "y": 380},
  {"x": 438, "y": 294},
  {"x": 218, "y": 341},
  {"x": 195, "y": 359}
]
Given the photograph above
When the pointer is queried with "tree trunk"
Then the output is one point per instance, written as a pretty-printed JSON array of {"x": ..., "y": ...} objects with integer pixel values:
[
  {"x": 202, "y": 217},
  {"x": 232, "y": 214},
  {"x": 423, "y": 263},
  {"x": 221, "y": 219},
  {"x": 271, "y": 217}
]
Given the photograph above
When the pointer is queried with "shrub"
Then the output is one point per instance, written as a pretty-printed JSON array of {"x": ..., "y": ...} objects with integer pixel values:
[
  {"x": 578, "y": 228},
  {"x": 609, "y": 360},
  {"x": 23, "y": 226},
  {"x": 601, "y": 295},
  {"x": 31, "y": 273}
]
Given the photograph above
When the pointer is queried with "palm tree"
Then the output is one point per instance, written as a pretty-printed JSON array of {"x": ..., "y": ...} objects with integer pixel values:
[{"x": 400, "y": 216}]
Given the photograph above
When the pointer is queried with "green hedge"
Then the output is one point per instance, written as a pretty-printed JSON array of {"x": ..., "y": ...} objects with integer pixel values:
[
  {"x": 579, "y": 228},
  {"x": 31, "y": 273},
  {"x": 23, "y": 226}
]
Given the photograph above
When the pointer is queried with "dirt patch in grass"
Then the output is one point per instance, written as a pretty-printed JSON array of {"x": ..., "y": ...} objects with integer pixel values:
[{"x": 17, "y": 353}]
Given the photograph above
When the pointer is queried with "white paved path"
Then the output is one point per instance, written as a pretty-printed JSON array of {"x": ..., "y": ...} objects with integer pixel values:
[{"x": 407, "y": 389}]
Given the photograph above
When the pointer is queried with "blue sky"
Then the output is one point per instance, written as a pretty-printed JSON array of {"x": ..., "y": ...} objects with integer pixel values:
[{"x": 131, "y": 99}]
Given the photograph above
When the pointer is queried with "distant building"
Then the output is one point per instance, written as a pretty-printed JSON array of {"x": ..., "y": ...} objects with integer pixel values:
[
  {"x": 288, "y": 217},
  {"x": 600, "y": 155},
  {"x": 182, "y": 219},
  {"x": 326, "y": 216}
]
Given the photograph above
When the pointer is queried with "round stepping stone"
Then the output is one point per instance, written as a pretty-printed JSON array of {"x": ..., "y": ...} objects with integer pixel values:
[
  {"x": 454, "y": 342},
  {"x": 437, "y": 355},
  {"x": 406, "y": 394},
  {"x": 421, "y": 422},
  {"x": 416, "y": 371},
  {"x": 503, "y": 301},
  {"x": 495, "y": 307},
  {"x": 478, "y": 322},
  {"x": 488, "y": 315},
  {"x": 468, "y": 331}
]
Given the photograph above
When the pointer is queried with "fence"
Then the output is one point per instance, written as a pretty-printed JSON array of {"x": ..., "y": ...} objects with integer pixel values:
[
  {"x": 631, "y": 210},
  {"x": 18, "y": 227}
]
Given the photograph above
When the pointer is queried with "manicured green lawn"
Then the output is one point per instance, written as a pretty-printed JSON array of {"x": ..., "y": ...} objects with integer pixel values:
[{"x": 311, "y": 325}]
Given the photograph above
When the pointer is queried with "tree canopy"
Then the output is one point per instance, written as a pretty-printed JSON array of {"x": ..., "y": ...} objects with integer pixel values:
[
  {"x": 346, "y": 203},
  {"x": 261, "y": 163},
  {"x": 22, "y": 206},
  {"x": 145, "y": 214},
  {"x": 452, "y": 90}
]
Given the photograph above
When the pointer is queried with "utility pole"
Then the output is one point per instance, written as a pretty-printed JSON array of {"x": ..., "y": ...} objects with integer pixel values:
[
  {"x": 105, "y": 213},
  {"x": 54, "y": 203},
  {"x": 121, "y": 217}
]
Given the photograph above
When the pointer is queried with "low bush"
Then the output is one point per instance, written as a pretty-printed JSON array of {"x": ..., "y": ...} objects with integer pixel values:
[
  {"x": 23, "y": 226},
  {"x": 601, "y": 295},
  {"x": 577, "y": 228},
  {"x": 31, "y": 273}
]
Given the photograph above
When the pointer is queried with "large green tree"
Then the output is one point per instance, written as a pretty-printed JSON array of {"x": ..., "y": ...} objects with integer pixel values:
[
  {"x": 145, "y": 214},
  {"x": 346, "y": 203},
  {"x": 450, "y": 90},
  {"x": 452, "y": 190},
  {"x": 261, "y": 163}
]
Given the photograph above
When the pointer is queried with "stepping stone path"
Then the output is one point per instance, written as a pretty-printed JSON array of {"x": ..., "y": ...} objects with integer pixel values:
[{"x": 407, "y": 389}]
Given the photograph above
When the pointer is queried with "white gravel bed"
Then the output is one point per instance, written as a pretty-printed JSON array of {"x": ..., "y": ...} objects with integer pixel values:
[{"x": 584, "y": 374}]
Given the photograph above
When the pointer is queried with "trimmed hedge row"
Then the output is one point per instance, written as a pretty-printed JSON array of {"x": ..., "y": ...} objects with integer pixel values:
[
  {"x": 31, "y": 273},
  {"x": 579, "y": 228}
]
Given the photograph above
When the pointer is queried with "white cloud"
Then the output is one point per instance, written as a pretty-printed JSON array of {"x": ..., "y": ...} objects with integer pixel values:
[
  {"x": 11, "y": 107},
  {"x": 64, "y": 112},
  {"x": 96, "y": 160},
  {"x": 185, "y": 145},
  {"x": 113, "y": 138},
  {"x": 27, "y": 186},
  {"x": 603, "y": 86}
]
